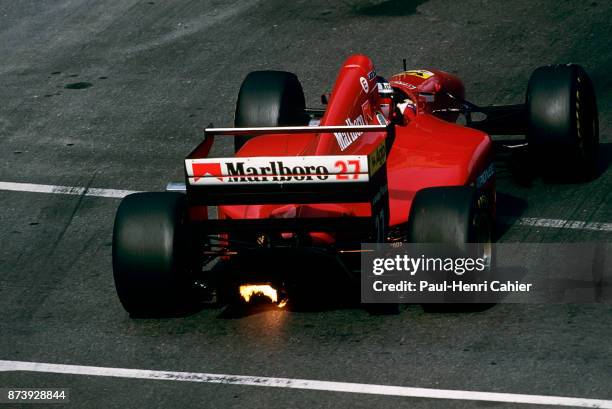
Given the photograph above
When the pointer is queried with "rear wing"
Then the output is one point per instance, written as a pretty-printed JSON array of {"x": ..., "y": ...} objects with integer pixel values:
[{"x": 338, "y": 178}]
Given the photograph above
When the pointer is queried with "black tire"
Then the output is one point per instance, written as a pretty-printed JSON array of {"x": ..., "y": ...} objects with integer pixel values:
[
  {"x": 151, "y": 256},
  {"x": 454, "y": 216},
  {"x": 269, "y": 98},
  {"x": 563, "y": 131},
  {"x": 446, "y": 215}
]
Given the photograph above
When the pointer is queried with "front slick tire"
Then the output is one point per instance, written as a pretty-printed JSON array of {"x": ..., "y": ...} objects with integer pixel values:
[
  {"x": 269, "y": 98},
  {"x": 454, "y": 216},
  {"x": 563, "y": 132},
  {"x": 151, "y": 256}
]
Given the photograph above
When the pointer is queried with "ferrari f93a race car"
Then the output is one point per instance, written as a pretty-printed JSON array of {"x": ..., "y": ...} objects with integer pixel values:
[{"x": 384, "y": 161}]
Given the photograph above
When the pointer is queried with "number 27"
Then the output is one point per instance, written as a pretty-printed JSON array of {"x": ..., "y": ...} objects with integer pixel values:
[{"x": 343, "y": 167}]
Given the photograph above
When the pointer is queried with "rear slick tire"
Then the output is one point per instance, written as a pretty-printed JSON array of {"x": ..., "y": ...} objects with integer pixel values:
[
  {"x": 151, "y": 256},
  {"x": 454, "y": 216}
]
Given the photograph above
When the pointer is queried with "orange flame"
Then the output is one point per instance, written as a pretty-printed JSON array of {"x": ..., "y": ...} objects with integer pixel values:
[{"x": 247, "y": 291}]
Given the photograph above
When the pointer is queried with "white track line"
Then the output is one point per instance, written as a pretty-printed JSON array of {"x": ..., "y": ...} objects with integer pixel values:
[
  {"x": 65, "y": 190},
  {"x": 347, "y": 387},
  {"x": 564, "y": 224},
  {"x": 118, "y": 194}
]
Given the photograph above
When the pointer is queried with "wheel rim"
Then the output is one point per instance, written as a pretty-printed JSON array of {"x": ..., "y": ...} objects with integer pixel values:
[
  {"x": 586, "y": 120},
  {"x": 483, "y": 237}
]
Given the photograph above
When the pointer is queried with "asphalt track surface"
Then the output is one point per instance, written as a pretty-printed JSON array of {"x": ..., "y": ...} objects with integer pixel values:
[{"x": 150, "y": 75}]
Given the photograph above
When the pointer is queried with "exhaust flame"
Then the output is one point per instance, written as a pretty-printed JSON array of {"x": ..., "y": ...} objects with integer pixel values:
[{"x": 248, "y": 291}]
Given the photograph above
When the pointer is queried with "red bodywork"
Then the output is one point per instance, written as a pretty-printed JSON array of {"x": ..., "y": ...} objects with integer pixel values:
[{"x": 428, "y": 149}]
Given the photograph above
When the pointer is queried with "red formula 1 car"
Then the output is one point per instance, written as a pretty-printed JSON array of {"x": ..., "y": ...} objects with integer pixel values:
[{"x": 384, "y": 161}]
